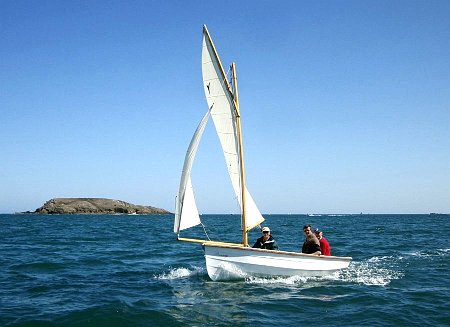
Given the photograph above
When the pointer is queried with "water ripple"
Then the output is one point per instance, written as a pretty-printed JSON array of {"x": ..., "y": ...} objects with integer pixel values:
[{"x": 130, "y": 271}]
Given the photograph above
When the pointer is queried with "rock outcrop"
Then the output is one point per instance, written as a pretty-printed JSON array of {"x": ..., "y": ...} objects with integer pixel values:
[{"x": 94, "y": 206}]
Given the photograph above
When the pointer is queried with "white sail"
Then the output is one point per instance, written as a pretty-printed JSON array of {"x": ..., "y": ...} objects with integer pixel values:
[
  {"x": 223, "y": 112},
  {"x": 189, "y": 212},
  {"x": 186, "y": 212}
]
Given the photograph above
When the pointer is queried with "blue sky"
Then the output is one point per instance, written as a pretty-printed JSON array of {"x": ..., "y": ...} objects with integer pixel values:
[{"x": 345, "y": 104}]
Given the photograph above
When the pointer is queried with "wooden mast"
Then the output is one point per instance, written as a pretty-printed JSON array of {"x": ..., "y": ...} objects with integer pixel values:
[{"x": 241, "y": 154}]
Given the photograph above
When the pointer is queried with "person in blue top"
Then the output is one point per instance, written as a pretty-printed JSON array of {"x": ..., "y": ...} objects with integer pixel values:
[{"x": 266, "y": 241}]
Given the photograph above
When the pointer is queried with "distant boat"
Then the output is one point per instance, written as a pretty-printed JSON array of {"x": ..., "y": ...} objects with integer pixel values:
[{"x": 230, "y": 260}]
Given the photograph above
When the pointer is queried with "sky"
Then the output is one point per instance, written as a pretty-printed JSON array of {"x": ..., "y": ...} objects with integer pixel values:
[{"x": 345, "y": 104}]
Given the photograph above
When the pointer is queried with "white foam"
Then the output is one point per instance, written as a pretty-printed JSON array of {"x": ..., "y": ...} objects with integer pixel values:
[
  {"x": 178, "y": 273},
  {"x": 293, "y": 280},
  {"x": 377, "y": 271},
  {"x": 429, "y": 254}
]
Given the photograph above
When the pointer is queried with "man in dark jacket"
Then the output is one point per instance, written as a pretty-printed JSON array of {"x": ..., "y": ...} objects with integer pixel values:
[
  {"x": 266, "y": 241},
  {"x": 311, "y": 244}
]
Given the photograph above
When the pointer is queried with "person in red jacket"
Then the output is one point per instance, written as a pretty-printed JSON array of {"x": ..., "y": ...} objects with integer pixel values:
[{"x": 324, "y": 245}]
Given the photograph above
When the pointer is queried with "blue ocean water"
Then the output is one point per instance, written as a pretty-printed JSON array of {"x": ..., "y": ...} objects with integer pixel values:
[{"x": 94, "y": 270}]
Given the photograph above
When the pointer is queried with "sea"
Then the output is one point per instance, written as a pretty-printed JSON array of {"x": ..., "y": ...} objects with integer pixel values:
[{"x": 129, "y": 270}]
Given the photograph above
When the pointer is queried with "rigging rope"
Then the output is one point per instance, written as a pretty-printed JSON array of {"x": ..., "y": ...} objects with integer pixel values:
[{"x": 204, "y": 229}]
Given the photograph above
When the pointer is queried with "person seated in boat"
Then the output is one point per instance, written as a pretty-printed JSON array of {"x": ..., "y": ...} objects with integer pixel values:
[
  {"x": 266, "y": 241},
  {"x": 311, "y": 245},
  {"x": 324, "y": 245}
]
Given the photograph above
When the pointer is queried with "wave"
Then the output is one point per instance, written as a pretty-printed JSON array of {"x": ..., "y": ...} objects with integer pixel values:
[
  {"x": 39, "y": 266},
  {"x": 292, "y": 280},
  {"x": 382, "y": 270},
  {"x": 429, "y": 253},
  {"x": 375, "y": 271},
  {"x": 179, "y": 273}
]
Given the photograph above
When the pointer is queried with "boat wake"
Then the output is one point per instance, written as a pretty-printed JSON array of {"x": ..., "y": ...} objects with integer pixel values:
[
  {"x": 293, "y": 280},
  {"x": 430, "y": 254},
  {"x": 376, "y": 271},
  {"x": 180, "y": 273},
  {"x": 382, "y": 270}
]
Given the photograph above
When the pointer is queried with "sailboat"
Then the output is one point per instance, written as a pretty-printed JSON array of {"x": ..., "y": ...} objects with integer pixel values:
[{"x": 225, "y": 261}]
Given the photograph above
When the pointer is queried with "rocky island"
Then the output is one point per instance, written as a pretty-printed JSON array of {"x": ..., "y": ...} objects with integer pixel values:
[{"x": 94, "y": 206}]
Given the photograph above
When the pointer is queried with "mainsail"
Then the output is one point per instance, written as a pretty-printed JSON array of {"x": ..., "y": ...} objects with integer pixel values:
[{"x": 223, "y": 112}]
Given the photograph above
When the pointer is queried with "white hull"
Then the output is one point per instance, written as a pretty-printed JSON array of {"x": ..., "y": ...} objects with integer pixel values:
[{"x": 225, "y": 262}]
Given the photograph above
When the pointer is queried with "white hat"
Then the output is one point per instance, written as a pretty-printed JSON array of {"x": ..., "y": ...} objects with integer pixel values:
[{"x": 265, "y": 229}]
